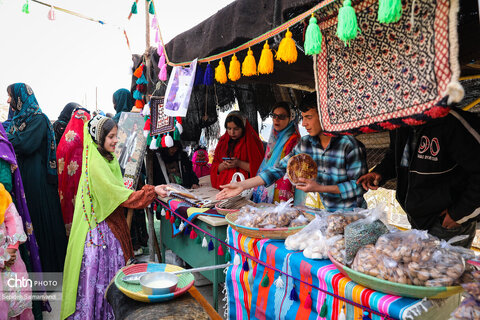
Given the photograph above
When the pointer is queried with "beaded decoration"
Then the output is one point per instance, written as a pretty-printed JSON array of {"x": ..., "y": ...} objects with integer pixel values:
[{"x": 90, "y": 241}]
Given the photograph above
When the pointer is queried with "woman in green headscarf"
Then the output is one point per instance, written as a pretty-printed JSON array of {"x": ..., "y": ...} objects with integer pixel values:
[
  {"x": 122, "y": 102},
  {"x": 99, "y": 243}
]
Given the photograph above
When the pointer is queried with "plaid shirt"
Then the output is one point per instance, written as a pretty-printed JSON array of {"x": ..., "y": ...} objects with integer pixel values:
[{"x": 341, "y": 164}]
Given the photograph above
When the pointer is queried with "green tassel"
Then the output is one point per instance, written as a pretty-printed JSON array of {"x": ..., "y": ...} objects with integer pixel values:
[
  {"x": 347, "y": 26},
  {"x": 149, "y": 140},
  {"x": 198, "y": 240},
  {"x": 176, "y": 135},
  {"x": 227, "y": 256},
  {"x": 151, "y": 9},
  {"x": 134, "y": 8},
  {"x": 177, "y": 222},
  {"x": 324, "y": 309},
  {"x": 25, "y": 8},
  {"x": 159, "y": 142},
  {"x": 265, "y": 281},
  {"x": 313, "y": 37},
  {"x": 389, "y": 11}
]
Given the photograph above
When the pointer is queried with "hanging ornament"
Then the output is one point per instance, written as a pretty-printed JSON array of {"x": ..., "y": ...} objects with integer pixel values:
[
  {"x": 160, "y": 50},
  {"x": 342, "y": 315},
  {"x": 186, "y": 231},
  {"x": 293, "y": 294},
  {"x": 162, "y": 213},
  {"x": 172, "y": 219},
  {"x": 265, "y": 281},
  {"x": 227, "y": 256},
  {"x": 163, "y": 73},
  {"x": 204, "y": 242},
  {"x": 168, "y": 141},
  {"x": 234, "y": 69},
  {"x": 210, "y": 245},
  {"x": 265, "y": 64},
  {"x": 308, "y": 301},
  {"x": 279, "y": 282},
  {"x": 153, "y": 144},
  {"x": 154, "y": 24},
  {"x": 146, "y": 127},
  {"x": 198, "y": 240},
  {"x": 177, "y": 223},
  {"x": 389, "y": 11},
  {"x": 182, "y": 226},
  {"x": 25, "y": 7},
  {"x": 249, "y": 66},
  {"x": 193, "y": 234},
  {"x": 139, "y": 71},
  {"x": 237, "y": 260},
  {"x": 51, "y": 14},
  {"x": 347, "y": 26},
  {"x": 324, "y": 309},
  {"x": 245, "y": 266},
  {"x": 146, "y": 110},
  {"x": 199, "y": 74},
  {"x": 159, "y": 142},
  {"x": 167, "y": 215},
  {"x": 221, "y": 72},
  {"x": 287, "y": 49},
  {"x": 220, "y": 250},
  {"x": 161, "y": 61},
  {"x": 139, "y": 104},
  {"x": 208, "y": 78},
  {"x": 134, "y": 8},
  {"x": 179, "y": 127},
  {"x": 163, "y": 141},
  {"x": 313, "y": 37},
  {"x": 151, "y": 8}
]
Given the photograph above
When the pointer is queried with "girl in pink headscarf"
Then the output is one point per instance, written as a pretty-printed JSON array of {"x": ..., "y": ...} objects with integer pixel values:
[{"x": 201, "y": 167}]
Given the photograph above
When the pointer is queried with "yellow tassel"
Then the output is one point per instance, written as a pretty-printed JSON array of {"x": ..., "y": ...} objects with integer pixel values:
[
  {"x": 265, "y": 64},
  {"x": 234, "y": 70},
  {"x": 221, "y": 72},
  {"x": 287, "y": 50},
  {"x": 249, "y": 66}
]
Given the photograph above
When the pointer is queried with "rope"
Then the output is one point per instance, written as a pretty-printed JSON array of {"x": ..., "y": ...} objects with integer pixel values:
[
  {"x": 246, "y": 255},
  {"x": 247, "y": 44}
]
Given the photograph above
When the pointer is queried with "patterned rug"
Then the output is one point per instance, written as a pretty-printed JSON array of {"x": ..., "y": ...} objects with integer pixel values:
[{"x": 391, "y": 75}]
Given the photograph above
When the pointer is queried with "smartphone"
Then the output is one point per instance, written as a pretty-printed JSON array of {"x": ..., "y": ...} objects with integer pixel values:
[{"x": 225, "y": 159}]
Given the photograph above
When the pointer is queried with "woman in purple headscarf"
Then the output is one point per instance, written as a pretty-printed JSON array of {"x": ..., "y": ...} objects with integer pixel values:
[{"x": 10, "y": 177}]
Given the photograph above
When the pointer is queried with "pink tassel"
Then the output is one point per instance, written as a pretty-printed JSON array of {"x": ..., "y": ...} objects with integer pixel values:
[
  {"x": 159, "y": 49},
  {"x": 308, "y": 302},
  {"x": 220, "y": 250},
  {"x": 161, "y": 61},
  {"x": 154, "y": 24},
  {"x": 51, "y": 14},
  {"x": 163, "y": 73},
  {"x": 157, "y": 37}
]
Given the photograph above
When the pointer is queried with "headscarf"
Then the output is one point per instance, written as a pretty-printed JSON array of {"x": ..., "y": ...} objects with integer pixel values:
[
  {"x": 201, "y": 167},
  {"x": 100, "y": 188},
  {"x": 26, "y": 107},
  {"x": 7, "y": 153},
  {"x": 123, "y": 102},
  {"x": 63, "y": 119},
  {"x": 248, "y": 148},
  {"x": 69, "y": 157},
  {"x": 279, "y": 145}
]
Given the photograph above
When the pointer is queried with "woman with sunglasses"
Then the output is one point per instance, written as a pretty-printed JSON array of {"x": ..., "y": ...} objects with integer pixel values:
[{"x": 283, "y": 138}]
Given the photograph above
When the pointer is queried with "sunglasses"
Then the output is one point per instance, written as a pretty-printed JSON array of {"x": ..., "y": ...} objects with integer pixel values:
[{"x": 279, "y": 116}]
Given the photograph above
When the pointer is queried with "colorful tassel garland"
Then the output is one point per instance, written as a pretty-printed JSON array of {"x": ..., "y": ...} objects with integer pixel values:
[
  {"x": 347, "y": 26},
  {"x": 220, "y": 250},
  {"x": 236, "y": 260},
  {"x": 265, "y": 281},
  {"x": 279, "y": 282},
  {"x": 265, "y": 64},
  {"x": 168, "y": 141},
  {"x": 210, "y": 245},
  {"x": 134, "y": 8},
  {"x": 228, "y": 257},
  {"x": 198, "y": 240},
  {"x": 51, "y": 14},
  {"x": 167, "y": 215},
  {"x": 138, "y": 72},
  {"x": 151, "y": 8},
  {"x": 308, "y": 302},
  {"x": 163, "y": 73},
  {"x": 293, "y": 294},
  {"x": 221, "y": 72},
  {"x": 245, "y": 266},
  {"x": 389, "y": 11},
  {"x": 313, "y": 37},
  {"x": 182, "y": 226},
  {"x": 324, "y": 309},
  {"x": 193, "y": 234},
  {"x": 199, "y": 74},
  {"x": 249, "y": 66},
  {"x": 234, "y": 69},
  {"x": 204, "y": 242},
  {"x": 287, "y": 50},
  {"x": 25, "y": 8},
  {"x": 172, "y": 219},
  {"x": 208, "y": 77}
]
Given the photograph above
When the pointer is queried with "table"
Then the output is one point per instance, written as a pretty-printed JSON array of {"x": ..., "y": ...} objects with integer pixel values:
[
  {"x": 249, "y": 299},
  {"x": 191, "y": 305},
  {"x": 191, "y": 252}
]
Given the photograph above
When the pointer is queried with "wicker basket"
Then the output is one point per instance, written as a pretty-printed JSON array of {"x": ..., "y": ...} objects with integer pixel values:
[{"x": 261, "y": 233}]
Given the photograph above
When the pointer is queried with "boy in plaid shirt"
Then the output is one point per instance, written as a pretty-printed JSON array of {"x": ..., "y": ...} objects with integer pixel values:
[{"x": 341, "y": 161}]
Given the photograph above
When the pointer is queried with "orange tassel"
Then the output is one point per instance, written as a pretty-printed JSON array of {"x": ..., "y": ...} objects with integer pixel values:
[
  {"x": 265, "y": 64},
  {"x": 249, "y": 66},
  {"x": 234, "y": 69},
  {"x": 287, "y": 50},
  {"x": 139, "y": 104},
  {"x": 221, "y": 72},
  {"x": 139, "y": 71}
]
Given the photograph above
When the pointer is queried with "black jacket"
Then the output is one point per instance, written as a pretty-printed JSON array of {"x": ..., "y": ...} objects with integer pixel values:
[{"x": 443, "y": 172}]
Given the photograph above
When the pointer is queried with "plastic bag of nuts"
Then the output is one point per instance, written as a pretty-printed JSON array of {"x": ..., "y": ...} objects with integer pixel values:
[
  {"x": 337, "y": 221},
  {"x": 470, "y": 307},
  {"x": 337, "y": 250}
]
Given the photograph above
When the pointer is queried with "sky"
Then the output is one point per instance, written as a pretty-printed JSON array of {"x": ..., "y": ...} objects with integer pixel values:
[{"x": 69, "y": 59}]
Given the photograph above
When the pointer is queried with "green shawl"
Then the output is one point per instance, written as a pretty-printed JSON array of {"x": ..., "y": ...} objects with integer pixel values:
[{"x": 108, "y": 192}]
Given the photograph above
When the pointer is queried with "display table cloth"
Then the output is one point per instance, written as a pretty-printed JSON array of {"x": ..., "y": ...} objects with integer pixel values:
[{"x": 248, "y": 299}]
